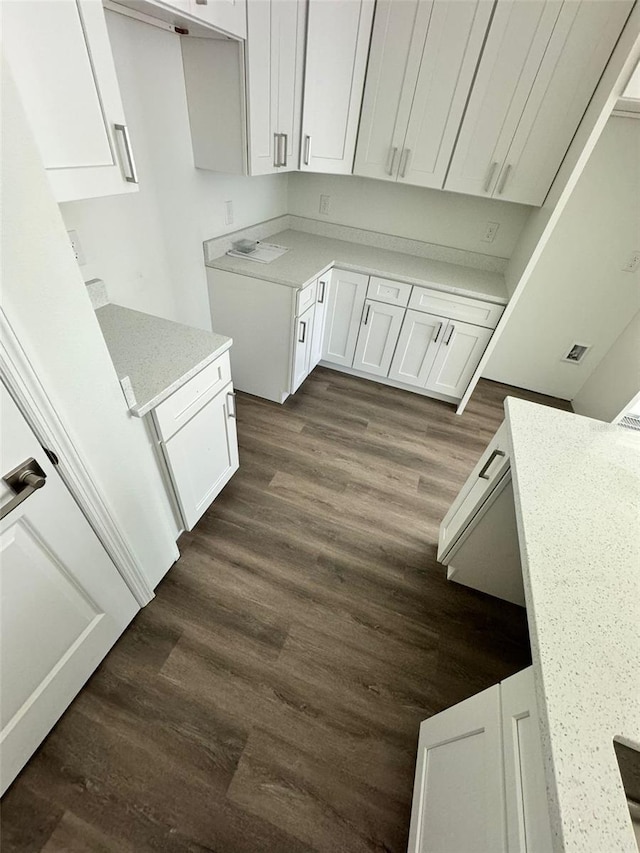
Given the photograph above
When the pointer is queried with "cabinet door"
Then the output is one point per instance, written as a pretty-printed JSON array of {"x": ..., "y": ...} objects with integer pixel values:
[
  {"x": 203, "y": 455},
  {"x": 579, "y": 49},
  {"x": 515, "y": 46},
  {"x": 528, "y": 829},
  {"x": 338, "y": 34},
  {"x": 458, "y": 356},
  {"x": 396, "y": 49},
  {"x": 319, "y": 320},
  {"x": 458, "y": 791},
  {"x": 347, "y": 292},
  {"x": 61, "y": 60},
  {"x": 302, "y": 348},
  {"x": 378, "y": 337},
  {"x": 454, "y": 40},
  {"x": 417, "y": 348},
  {"x": 227, "y": 15},
  {"x": 275, "y": 56}
]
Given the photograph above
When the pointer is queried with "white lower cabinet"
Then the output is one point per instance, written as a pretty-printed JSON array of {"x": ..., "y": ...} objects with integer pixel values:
[
  {"x": 417, "y": 348},
  {"x": 378, "y": 336},
  {"x": 459, "y": 353},
  {"x": 319, "y": 320},
  {"x": 302, "y": 348},
  {"x": 479, "y": 782},
  {"x": 196, "y": 431},
  {"x": 347, "y": 293}
]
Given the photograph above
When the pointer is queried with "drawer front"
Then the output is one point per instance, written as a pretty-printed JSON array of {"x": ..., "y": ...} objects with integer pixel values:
[
  {"x": 183, "y": 404},
  {"x": 306, "y": 298},
  {"x": 456, "y": 307},
  {"x": 391, "y": 292}
]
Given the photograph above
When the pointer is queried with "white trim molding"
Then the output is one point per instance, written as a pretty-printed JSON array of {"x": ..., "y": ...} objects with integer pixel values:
[{"x": 24, "y": 386}]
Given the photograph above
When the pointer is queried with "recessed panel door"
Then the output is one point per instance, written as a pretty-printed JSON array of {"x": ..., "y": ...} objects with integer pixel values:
[{"x": 378, "y": 336}]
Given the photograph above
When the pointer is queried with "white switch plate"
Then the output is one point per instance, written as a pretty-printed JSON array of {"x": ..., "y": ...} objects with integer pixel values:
[
  {"x": 490, "y": 232},
  {"x": 228, "y": 213},
  {"x": 325, "y": 204},
  {"x": 633, "y": 263},
  {"x": 76, "y": 247}
]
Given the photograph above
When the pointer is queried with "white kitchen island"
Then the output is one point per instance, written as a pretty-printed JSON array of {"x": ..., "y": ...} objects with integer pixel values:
[{"x": 575, "y": 485}]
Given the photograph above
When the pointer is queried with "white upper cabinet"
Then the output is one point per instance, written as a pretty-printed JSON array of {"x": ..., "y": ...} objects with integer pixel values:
[
  {"x": 421, "y": 67},
  {"x": 275, "y": 67},
  {"x": 539, "y": 67},
  {"x": 61, "y": 59},
  {"x": 338, "y": 34}
]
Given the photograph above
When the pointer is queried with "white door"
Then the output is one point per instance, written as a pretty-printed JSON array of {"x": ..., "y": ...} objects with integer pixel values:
[
  {"x": 302, "y": 348},
  {"x": 347, "y": 292},
  {"x": 458, "y": 794},
  {"x": 63, "y": 603},
  {"x": 528, "y": 828},
  {"x": 288, "y": 41},
  {"x": 338, "y": 34},
  {"x": 457, "y": 358},
  {"x": 203, "y": 455},
  {"x": 417, "y": 347},
  {"x": 227, "y": 15},
  {"x": 378, "y": 336},
  {"x": 579, "y": 49},
  {"x": 61, "y": 60},
  {"x": 319, "y": 320},
  {"x": 454, "y": 40},
  {"x": 515, "y": 47}
]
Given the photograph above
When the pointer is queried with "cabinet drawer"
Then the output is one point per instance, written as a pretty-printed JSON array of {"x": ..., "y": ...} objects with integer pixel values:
[
  {"x": 182, "y": 405},
  {"x": 391, "y": 292},
  {"x": 306, "y": 298},
  {"x": 456, "y": 307}
]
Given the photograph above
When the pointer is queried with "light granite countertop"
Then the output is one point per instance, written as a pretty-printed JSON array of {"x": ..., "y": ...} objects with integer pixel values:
[
  {"x": 311, "y": 255},
  {"x": 157, "y": 355},
  {"x": 577, "y": 499}
]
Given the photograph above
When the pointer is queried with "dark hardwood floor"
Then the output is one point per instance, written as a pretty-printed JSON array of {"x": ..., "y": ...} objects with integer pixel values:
[{"x": 269, "y": 697}]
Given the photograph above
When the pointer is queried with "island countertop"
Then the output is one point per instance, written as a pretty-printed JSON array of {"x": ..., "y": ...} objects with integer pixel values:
[
  {"x": 577, "y": 499},
  {"x": 157, "y": 355},
  {"x": 311, "y": 255}
]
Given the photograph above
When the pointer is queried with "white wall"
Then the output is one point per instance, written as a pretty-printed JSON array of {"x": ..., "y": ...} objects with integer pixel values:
[
  {"x": 577, "y": 291},
  {"x": 616, "y": 380},
  {"x": 147, "y": 246},
  {"x": 46, "y": 303},
  {"x": 448, "y": 219}
]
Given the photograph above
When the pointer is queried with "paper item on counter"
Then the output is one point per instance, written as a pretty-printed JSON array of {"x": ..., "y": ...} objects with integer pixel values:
[{"x": 264, "y": 253}]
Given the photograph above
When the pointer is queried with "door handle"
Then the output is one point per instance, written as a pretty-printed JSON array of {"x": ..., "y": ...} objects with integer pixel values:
[
  {"x": 303, "y": 331},
  {"x": 366, "y": 316},
  {"x": 391, "y": 160},
  {"x": 285, "y": 144},
  {"x": 438, "y": 333},
  {"x": 276, "y": 150},
  {"x": 323, "y": 284},
  {"x": 132, "y": 177},
  {"x": 23, "y": 480},
  {"x": 504, "y": 179},
  {"x": 231, "y": 404},
  {"x": 450, "y": 335},
  {"x": 307, "y": 150},
  {"x": 404, "y": 161},
  {"x": 495, "y": 453},
  {"x": 490, "y": 174}
]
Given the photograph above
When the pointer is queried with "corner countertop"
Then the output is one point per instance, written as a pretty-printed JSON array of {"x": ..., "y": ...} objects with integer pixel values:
[
  {"x": 157, "y": 355},
  {"x": 311, "y": 255},
  {"x": 577, "y": 498}
]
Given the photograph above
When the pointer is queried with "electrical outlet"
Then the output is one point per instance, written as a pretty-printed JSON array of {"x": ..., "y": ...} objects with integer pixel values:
[
  {"x": 633, "y": 263},
  {"x": 325, "y": 204},
  {"x": 228, "y": 213},
  {"x": 76, "y": 247},
  {"x": 490, "y": 232}
]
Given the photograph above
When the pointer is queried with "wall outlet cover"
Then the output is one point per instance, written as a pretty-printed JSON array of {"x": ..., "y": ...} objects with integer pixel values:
[
  {"x": 490, "y": 232},
  {"x": 325, "y": 204},
  {"x": 633, "y": 262},
  {"x": 228, "y": 213}
]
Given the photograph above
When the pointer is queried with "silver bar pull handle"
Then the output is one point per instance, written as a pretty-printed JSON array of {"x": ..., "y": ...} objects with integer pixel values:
[
  {"x": 132, "y": 177},
  {"x": 231, "y": 403},
  {"x": 504, "y": 179},
  {"x": 285, "y": 149},
  {"x": 276, "y": 150},
  {"x": 450, "y": 335},
  {"x": 366, "y": 316},
  {"x": 323, "y": 288},
  {"x": 303, "y": 331},
  {"x": 404, "y": 161},
  {"x": 391, "y": 160},
  {"x": 24, "y": 481},
  {"x": 483, "y": 474},
  {"x": 438, "y": 332},
  {"x": 201, "y": 2},
  {"x": 490, "y": 174},
  {"x": 307, "y": 150}
]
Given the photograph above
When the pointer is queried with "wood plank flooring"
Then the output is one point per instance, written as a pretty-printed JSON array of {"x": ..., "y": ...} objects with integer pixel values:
[{"x": 269, "y": 697}]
